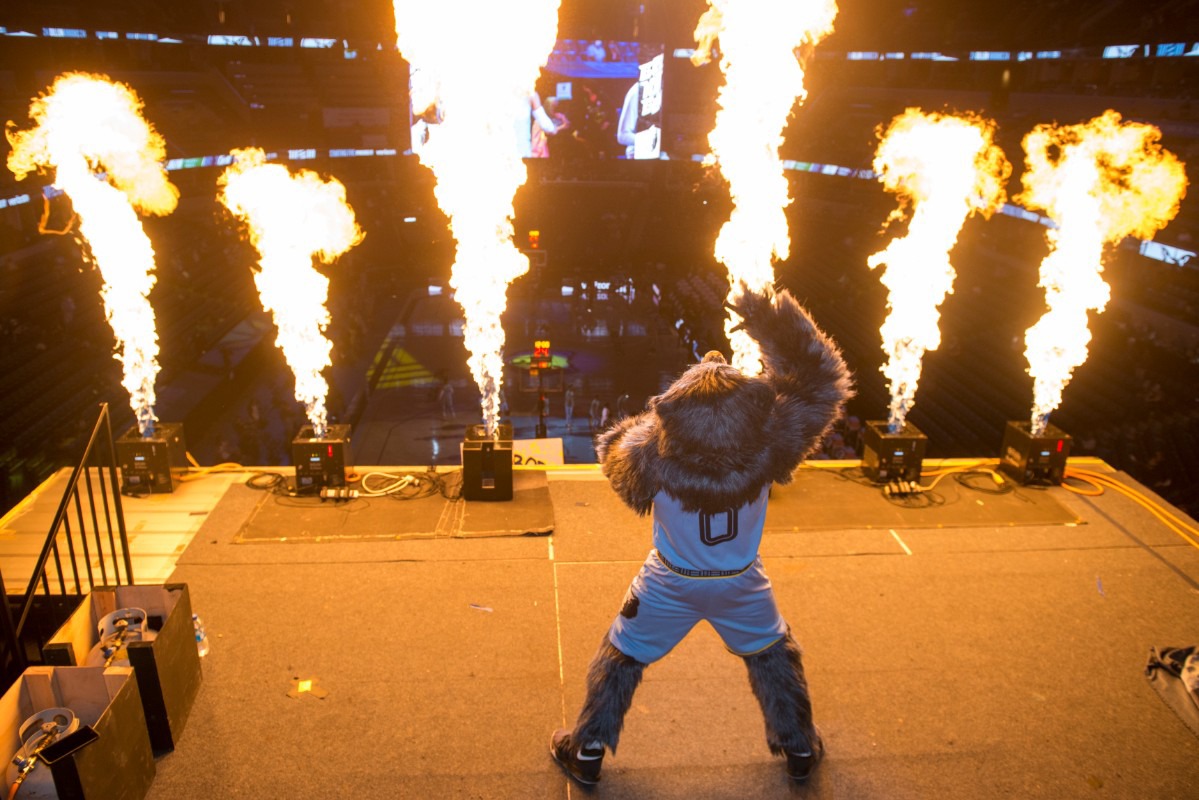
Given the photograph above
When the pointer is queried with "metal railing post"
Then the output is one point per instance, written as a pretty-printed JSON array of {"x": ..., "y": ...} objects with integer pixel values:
[
  {"x": 11, "y": 640},
  {"x": 116, "y": 494}
]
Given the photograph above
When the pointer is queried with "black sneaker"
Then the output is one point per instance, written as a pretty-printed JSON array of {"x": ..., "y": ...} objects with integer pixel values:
[
  {"x": 800, "y": 765},
  {"x": 582, "y": 764}
]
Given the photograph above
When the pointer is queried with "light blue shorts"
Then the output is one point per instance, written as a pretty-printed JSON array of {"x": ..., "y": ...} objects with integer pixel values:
[{"x": 661, "y": 607}]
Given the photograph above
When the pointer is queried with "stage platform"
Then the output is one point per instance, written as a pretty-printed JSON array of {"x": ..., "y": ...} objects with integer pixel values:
[{"x": 989, "y": 647}]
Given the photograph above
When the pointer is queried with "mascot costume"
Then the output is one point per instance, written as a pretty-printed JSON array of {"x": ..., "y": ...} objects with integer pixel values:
[{"x": 702, "y": 460}]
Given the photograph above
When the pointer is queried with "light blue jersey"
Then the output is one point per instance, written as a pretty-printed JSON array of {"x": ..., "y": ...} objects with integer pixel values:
[
  {"x": 704, "y": 567},
  {"x": 722, "y": 542}
]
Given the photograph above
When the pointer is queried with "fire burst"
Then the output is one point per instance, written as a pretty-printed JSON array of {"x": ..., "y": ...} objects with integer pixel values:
[
  {"x": 473, "y": 151},
  {"x": 763, "y": 80},
  {"x": 1100, "y": 182},
  {"x": 946, "y": 168},
  {"x": 108, "y": 159},
  {"x": 290, "y": 219}
]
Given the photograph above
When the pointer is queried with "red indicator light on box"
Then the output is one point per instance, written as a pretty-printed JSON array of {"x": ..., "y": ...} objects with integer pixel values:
[
  {"x": 1059, "y": 445},
  {"x": 330, "y": 451}
]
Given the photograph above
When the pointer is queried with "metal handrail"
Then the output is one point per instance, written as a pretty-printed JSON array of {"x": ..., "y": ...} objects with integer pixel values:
[{"x": 100, "y": 444}]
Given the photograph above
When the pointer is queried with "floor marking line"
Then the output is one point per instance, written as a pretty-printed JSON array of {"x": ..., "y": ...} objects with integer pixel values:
[
  {"x": 902, "y": 544},
  {"x": 558, "y": 628}
]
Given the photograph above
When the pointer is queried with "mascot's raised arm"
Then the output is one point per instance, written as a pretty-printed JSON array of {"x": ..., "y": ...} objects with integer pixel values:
[{"x": 702, "y": 460}]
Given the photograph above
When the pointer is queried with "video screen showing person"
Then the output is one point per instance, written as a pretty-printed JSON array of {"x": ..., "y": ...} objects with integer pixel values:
[{"x": 594, "y": 99}]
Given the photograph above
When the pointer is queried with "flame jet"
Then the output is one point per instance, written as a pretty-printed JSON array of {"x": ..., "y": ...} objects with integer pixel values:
[
  {"x": 1100, "y": 181},
  {"x": 291, "y": 218},
  {"x": 108, "y": 159},
  {"x": 473, "y": 149},
  {"x": 943, "y": 168},
  {"x": 763, "y": 80}
]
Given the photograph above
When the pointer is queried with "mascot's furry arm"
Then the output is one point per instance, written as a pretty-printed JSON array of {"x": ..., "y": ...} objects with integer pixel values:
[
  {"x": 628, "y": 452},
  {"x": 805, "y": 367},
  {"x": 716, "y": 437}
]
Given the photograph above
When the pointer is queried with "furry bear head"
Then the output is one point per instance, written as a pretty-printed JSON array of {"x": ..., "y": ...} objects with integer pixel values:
[{"x": 712, "y": 411}]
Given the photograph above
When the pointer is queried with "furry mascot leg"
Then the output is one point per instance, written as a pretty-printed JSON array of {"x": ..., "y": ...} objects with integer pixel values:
[
  {"x": 777, "y": 678},
  {"x": 611, "y": 680}
]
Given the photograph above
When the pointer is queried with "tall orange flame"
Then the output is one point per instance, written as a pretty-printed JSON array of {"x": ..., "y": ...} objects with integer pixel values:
[
  {"x": 473, "y": 152},
  {"x": 763, "y": 80},
  {"x": 108, "y": 159},
  {"x": 290, "y": 219},
  {"x": 944, "y": 168},
  {"x": 1100, "y": 181}
]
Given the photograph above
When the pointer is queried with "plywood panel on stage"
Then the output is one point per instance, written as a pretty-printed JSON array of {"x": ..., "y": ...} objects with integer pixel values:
[{"x": 427, "y": 515}]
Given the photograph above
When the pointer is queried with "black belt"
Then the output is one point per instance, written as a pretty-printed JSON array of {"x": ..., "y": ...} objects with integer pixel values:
[{"x": 701, "y": 573}]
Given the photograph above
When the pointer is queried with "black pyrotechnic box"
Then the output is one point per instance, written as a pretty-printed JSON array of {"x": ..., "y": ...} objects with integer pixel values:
[
  {"x": 487, "y": 463},
  {"x": 1034, "y": 459},
  {"x": 150, "y": 464},
  {"x": 890, "y": 456},
  {"x": 320, "y": 460}
]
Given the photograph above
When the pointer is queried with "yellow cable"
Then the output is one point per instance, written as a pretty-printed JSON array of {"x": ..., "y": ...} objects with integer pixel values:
[
  {"x": 962, "y": 470},
  {"x": 1096, "y": 493},
  {"x": 1138, "y": 497},
  {"x": 1166, "y": 517},
  {"x": 1171, "y": 523},
  {"x": 203, "y": 472},
  {"x": 958, "y": 468}
]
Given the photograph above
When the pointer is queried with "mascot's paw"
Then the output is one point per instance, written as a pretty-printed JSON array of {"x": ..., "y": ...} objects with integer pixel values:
[
  {"x": 581, "y": 764},
  {"x": 801, "y": 765},
  {"x": 749, "y": 305}
]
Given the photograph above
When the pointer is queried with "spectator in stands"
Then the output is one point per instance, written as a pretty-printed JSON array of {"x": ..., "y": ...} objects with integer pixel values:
[
  {"x": 446, "y": 398},
  {"x": 835, "y": 448},
  {"x": 622, "y": 406},
  {"x": 853, "y": 435},
  {"x": 249, "y": 442}
]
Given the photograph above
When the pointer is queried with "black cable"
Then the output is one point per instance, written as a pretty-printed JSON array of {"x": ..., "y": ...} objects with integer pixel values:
[
  {"x": 925, "y": 499},
  {"x": 267, "y": 482},
  {"x": 855, "y": 475},
  {"x": 351, "y": 505},
  {"x": 277, "y": 485},
  {"x": 450, "y": 484}
]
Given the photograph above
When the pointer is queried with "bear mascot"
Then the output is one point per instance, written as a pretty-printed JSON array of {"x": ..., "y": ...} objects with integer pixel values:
[{"x": 702, "y": 459}]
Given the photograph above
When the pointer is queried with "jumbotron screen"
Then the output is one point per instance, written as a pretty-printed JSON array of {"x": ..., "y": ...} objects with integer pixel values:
[{"x": 594, "y": 99}]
